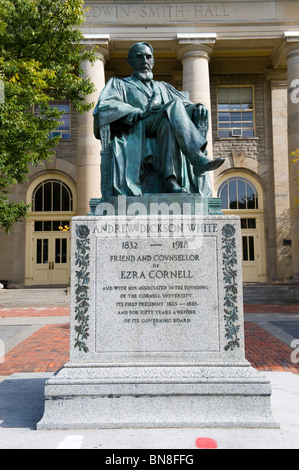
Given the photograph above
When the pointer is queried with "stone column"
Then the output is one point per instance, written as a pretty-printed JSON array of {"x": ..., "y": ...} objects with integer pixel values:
[
  {"x": 292, "y": 56},
  {"x": 88, "y": 147},
  {"x": 195, "y": 51},
  {"x": 279, "y": 132}
]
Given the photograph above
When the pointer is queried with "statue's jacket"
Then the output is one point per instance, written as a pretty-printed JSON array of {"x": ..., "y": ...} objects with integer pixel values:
[{"x": 117, "y": 106}]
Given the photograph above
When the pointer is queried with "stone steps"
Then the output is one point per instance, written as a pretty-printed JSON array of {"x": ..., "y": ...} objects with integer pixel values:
[
  {"x": 271, "y": 293},
  {"x": 34, "y": 297},
  {"x": 60, "y": 297}
]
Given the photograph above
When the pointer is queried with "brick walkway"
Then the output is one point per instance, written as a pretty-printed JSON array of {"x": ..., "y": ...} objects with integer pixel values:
[
  {"x": 44, "y": 351},
  {"x": 48, "y": 348},
  {"x": 34, "y": 312}
]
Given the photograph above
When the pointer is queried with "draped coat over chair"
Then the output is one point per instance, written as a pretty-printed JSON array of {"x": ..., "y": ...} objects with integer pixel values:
[{"x": 134, "y": 154}]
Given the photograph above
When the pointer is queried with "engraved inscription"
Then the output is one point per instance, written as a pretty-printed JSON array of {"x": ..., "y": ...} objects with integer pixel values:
[
  {"x": 158, "y": 293},
  {"x": 162, "y": 11},
  {"x": 170, "y": 12}
]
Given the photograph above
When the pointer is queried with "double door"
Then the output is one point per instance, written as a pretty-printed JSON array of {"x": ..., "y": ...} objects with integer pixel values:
[
  {"x": 250, "y": 252},
  {"x": 51, "y": 258}
]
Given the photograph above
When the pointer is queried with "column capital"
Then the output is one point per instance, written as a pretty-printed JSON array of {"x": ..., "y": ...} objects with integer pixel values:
[
  {"x": 291, "y": 39},
  {"x": 195, "y": 45},
  {"x": 101, "y": 42},
  {"x": 288, "y": 45}
]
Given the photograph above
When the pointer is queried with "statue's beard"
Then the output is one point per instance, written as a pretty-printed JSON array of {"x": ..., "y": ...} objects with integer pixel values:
[{"x": 144, "y": 76}]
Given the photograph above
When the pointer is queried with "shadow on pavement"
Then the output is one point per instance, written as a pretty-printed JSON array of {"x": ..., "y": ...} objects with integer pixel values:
[{"x": 21, "y": 402}]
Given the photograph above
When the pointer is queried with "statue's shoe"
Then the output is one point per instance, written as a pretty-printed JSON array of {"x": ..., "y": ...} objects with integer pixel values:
[
  {"x": 204, "y": 164},
  {"x": 172, "y": 186}
]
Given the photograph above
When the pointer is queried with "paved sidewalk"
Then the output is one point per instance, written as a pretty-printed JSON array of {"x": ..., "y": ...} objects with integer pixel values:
[
  {"x": 36, "y": 344},
  {"x": 46, "y": 347}
]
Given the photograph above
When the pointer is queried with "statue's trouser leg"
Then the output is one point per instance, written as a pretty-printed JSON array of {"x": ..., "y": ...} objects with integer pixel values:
[
  {"x": 173, "y": 121},
  {"x": 169, "y": 151}
]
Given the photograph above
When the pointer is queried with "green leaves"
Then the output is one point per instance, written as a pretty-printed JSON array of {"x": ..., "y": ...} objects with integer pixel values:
[
  {"x": 229, "y": 260},
  {"x": 40, "y": 54},
  {"x": 82, "y": 287},
  {"x": 10, "y": 212},
  {"x": 295, "y": 159}
]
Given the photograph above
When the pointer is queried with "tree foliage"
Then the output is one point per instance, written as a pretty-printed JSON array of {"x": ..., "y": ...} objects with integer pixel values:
[{"x": 40, "y": 54}]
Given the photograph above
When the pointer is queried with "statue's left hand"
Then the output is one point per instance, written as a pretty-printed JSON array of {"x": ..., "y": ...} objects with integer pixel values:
[{"x": 149, "y": 111}]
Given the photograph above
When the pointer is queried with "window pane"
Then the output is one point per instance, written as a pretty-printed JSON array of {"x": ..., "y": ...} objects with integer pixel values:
[
  {"x": 223, "y": 95},
  {"x": 245, "y": 249},
  {"x": 242, "y": 194},
  {"x": 236, "y": 119},
  {"x": 65, "y": 123},
  {"x": 56, "y": 224},
  {"x": 223, "y": 107},
  {"x": 64, "y": 107},
  {"x": 251, "y": 197},
  {"x": 66, "y": 136},
  {"x": 246, "y": 94},
  {"x": 45, "y": 251},
  {"x": 55, "y": 134},
  {"x": 56, "y": 196},
  {"x": 235, "y": 106},
  {"x": 38, "y": 251},
  {"x": 38, "y": 226},
  {"x": 224, "y": 198},
  {"x": 251, "y": 248},
  {"x": 66, "y": 202},
  {"x": 47, "y": 197},
  {"x": 234, "y": 95},
  {"x": 222, "y": 134},
  {"x": 57, "y": 250},
  {"x": 224, "y": 117},
  {"x": 38, "y": 200},
  {"x": 248, "y": 133},
  {"x": 64, "y": 250},
  {"x": 247, "y": 118},
  {"x": 47, "y": 226},
  {"x": 233, "y": 204},
  {"x": 251, "y": 223}
]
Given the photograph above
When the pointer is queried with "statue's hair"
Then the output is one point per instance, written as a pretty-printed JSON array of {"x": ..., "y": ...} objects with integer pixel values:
[{"x": 132, "y": 49}]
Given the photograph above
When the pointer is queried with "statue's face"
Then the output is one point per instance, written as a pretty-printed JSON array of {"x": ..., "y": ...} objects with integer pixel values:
[{"x": 142, "y": 62}]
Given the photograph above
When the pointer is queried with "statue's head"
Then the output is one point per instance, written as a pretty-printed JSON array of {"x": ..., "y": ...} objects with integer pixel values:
[{"x": 141, "y": 59}]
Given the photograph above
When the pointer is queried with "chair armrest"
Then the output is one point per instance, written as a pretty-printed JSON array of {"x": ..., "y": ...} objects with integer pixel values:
[{"x": 105, "y": 136}]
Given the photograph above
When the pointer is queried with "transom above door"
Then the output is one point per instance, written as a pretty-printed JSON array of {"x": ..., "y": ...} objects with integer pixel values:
[{"x": 48, "y": 233}]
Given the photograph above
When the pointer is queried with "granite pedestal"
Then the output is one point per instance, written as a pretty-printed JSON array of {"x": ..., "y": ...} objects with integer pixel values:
[{"x": 157, "y": 329}]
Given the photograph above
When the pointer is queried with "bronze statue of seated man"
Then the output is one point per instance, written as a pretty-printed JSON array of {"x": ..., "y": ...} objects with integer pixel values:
[{"x": 153, "y": 128}]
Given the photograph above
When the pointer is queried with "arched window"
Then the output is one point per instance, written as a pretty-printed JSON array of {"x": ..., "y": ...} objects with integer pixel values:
[
  {"x": 52, "y": 196},
  {"x": 238, "y": 193}
]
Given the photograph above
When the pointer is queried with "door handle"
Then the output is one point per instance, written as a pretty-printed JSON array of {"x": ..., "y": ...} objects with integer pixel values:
[{"x": 51, "y": 265}]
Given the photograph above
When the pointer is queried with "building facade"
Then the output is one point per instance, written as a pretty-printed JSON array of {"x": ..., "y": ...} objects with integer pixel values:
[{"x": 241, "y": 60}]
